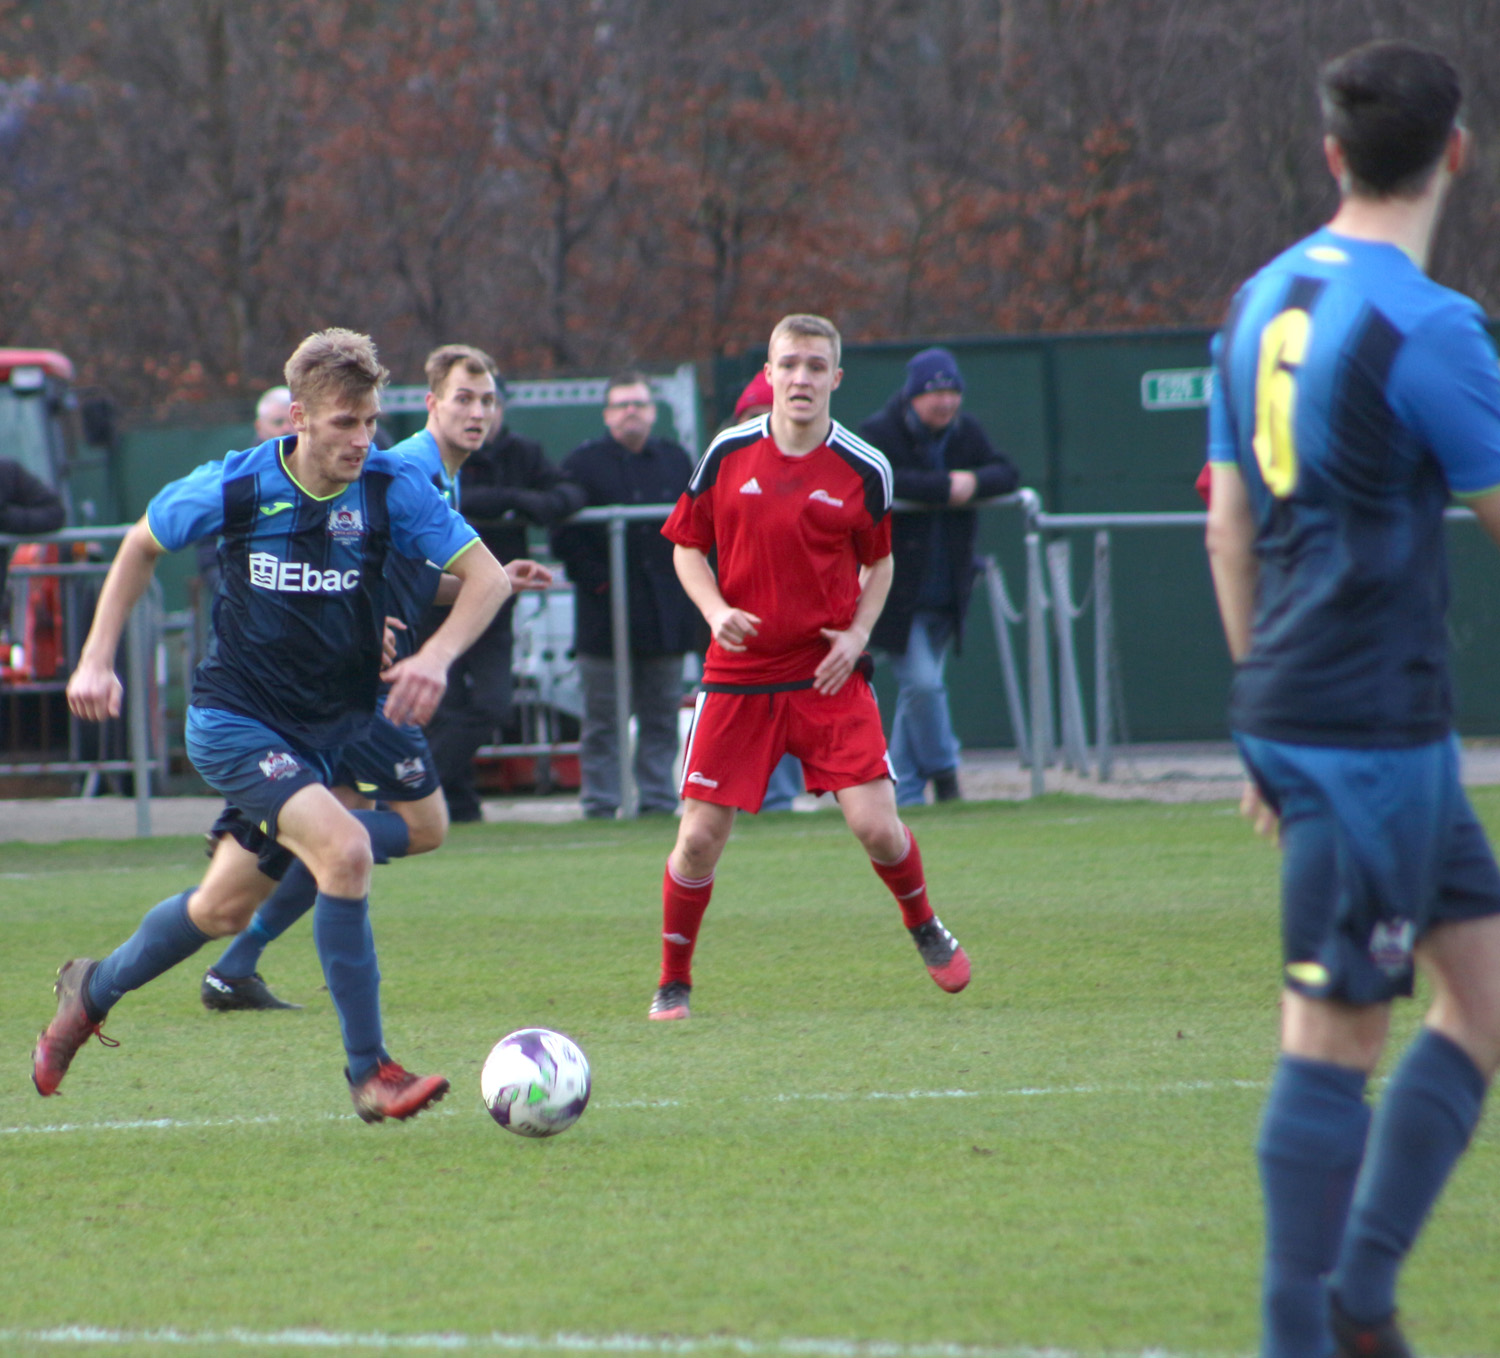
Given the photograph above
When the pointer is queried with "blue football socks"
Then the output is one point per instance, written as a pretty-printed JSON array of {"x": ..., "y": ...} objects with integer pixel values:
[
  {"x": 1426, "y": 1119},
  {"x": 296, "y": 892},
  {"x": 389, "y": 837},
  {"x": 1312, "y": 1140},
  {"x": 346, "y": 948},
  {"x": 165, "y": 937}
]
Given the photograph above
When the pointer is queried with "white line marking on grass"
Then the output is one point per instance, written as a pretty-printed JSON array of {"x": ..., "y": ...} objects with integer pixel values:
[
  {"x": 193, "y": 1124},
  {"x": 895, "y": 1096},
  {"x": 449, "y": 1342},
  {"x": 1030, "y": 1092},
  {"x": 115, "y": 871}
]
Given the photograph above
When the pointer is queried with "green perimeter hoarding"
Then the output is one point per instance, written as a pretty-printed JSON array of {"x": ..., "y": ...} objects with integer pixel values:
[
  {"x": 1117, "y": 423},
  {"x": 1104, "y": 423}
]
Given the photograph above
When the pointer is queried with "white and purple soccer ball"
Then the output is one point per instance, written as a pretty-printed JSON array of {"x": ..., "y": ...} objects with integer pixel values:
[{"x": 535, "y": 1082}]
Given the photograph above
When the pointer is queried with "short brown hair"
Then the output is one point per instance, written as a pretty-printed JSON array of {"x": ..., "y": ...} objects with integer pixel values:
[
  {"x": 334, "y": 364},
  {"x": 804, "y": 325},
  {"x": 446, "y": 357}
]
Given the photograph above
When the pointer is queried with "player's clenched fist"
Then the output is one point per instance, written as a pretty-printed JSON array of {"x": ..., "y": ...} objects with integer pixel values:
[{"x": 94, "y": 692}]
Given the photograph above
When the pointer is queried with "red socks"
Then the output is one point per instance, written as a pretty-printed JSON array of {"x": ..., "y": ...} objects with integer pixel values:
[
  {"x": 683, "y": 903},
  {"x": 908, "y": 883}
]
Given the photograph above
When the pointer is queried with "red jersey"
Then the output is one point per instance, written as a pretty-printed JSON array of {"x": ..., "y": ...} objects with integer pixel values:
[{"x": 792, "y": 534}]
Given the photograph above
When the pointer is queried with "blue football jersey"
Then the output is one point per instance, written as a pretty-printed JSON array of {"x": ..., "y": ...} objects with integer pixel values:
[
  {"x": 302, "y": 597},
  {"x": 413, "y": 581},
  {"x": 1356, "y": 395}
]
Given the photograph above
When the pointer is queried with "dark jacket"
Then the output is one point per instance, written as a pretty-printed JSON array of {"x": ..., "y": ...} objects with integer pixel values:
[
  {"x": 968, "y": 449},
  {"x": 504, "y": 485},
  {"x": 508, "y": 484},
  {"x": 662, "y": 619},
  {"x": 27, "y": 505}
]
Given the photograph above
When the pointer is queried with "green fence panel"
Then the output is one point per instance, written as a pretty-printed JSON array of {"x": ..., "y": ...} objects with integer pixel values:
[{"x": 1106, "y": 423}]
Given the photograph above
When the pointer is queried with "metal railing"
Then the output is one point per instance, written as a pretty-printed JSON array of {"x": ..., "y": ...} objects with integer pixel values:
[
  {"x": 1049, "y": 588},
  {"x": 144, "y": 718},
  {"x": 616, "y": 517},
  {"x": 144, "y": 714},
  {"x": 1108, "y": 682}
]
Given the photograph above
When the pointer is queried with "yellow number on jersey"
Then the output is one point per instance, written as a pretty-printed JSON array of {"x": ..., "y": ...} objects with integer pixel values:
[{"x": 1283, "y": 345}]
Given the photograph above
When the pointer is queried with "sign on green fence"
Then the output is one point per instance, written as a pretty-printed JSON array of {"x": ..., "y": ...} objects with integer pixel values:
[{"x": 1177, "y": 388}]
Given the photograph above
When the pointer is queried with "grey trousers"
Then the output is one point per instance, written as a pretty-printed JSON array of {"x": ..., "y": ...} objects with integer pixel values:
[{"x": 656, "y": 697}]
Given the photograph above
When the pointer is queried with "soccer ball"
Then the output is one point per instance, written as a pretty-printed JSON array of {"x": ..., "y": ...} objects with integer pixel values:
[{"x": 535, "y": 1082}]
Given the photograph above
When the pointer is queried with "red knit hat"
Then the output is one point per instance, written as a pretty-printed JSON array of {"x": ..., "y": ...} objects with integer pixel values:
[{"x": 758, "y": 393}]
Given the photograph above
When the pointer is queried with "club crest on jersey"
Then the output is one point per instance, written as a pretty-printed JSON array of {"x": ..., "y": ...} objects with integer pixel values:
[
  {"x": 278, "y": 764},
  {"x": 1391, "y": 942},
  {"x": 823, "y": 497},
  {"x": 345, "y": 523},
  {"x": 409, "y": 772}
]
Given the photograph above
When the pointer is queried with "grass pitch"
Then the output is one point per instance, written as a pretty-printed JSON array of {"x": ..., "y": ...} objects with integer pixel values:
[{"x": 831, "y": 1157}]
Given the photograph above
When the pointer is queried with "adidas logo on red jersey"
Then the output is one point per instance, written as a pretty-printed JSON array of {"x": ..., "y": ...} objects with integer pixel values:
[{"x": 751, "y": 487}]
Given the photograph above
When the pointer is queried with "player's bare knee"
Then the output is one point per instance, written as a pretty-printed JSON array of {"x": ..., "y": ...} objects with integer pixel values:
[
  {"x": 426, "y": 823},
  {"x": 1470, "y": 1018},
  {"x": 1329, "y": 1030},
  {"x": 343, "y": 866},
  {"x": 1462, "y": 958},
  {"x": 222, "y": 912},
  {"x": 699, "y": 846},
  {"x": 881, "y": 836},
  {"x": 424, "y": 839}
]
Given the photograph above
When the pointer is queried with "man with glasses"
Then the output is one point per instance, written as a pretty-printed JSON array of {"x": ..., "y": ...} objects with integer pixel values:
[{"x": 628, "y": 466}]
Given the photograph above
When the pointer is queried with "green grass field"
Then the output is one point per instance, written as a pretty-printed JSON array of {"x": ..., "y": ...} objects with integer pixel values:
[{"x": 831, "y": 1157}]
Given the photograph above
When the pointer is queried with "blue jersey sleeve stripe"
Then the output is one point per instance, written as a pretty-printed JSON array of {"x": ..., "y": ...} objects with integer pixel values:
[
  {"x": 461, "y": 551},
  {"x": 155, "y": 536},
  {"x": 1476, "y": 494}
]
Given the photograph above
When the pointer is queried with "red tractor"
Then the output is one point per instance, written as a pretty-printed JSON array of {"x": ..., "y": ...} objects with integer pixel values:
[{"x": 65, "y": 443}]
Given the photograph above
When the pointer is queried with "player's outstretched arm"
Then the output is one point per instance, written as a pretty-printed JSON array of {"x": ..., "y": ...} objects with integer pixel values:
[
  {"x": 94, "y": 690},
  {"x": 730, "y": 626},
  {"x": 417, "y": 683},
  {"x": 845, "y": 648},
  {"x": 522, "y": 573}
]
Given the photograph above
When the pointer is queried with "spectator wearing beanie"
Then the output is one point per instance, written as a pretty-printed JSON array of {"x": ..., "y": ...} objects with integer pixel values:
[{"x": 940, "y": 457}]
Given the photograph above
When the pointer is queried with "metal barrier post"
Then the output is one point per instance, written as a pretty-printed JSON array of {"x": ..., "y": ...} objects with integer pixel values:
[
  {"x": 619, "y": 609},
  {"x": 139, "y": 650},
  {"x": 1104, "y": 623},
  {"x": 1002, "y": 614},
  {"x": 1039, "y": 679},
  {"x": 1069, "y": 697}
]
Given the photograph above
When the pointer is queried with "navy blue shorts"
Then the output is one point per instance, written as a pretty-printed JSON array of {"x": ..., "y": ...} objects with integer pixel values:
[
  {"x": 389, "y": 763},
  {"x": 1377, "y": 847},
  {"x": 270, "y": 857},
  {"x": 251, "y": 766}
]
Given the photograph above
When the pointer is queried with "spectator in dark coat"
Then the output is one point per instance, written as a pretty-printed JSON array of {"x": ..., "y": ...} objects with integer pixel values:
[
  {"x": 628, "y": 466},
  {"x": 939, "y": 456},
  {"x": 27, "y": 505},
  {"x": 504, "y": 486}
]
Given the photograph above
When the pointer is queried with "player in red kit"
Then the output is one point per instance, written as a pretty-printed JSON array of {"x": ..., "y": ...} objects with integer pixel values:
[{"x": 798, "y": 509}]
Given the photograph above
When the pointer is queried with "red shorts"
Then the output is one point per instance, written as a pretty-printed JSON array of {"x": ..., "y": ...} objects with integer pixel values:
[{"x": 737, "y": 738}]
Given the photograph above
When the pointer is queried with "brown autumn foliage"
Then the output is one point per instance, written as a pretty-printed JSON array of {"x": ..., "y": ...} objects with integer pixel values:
[{"x": 189, "y": 186}]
